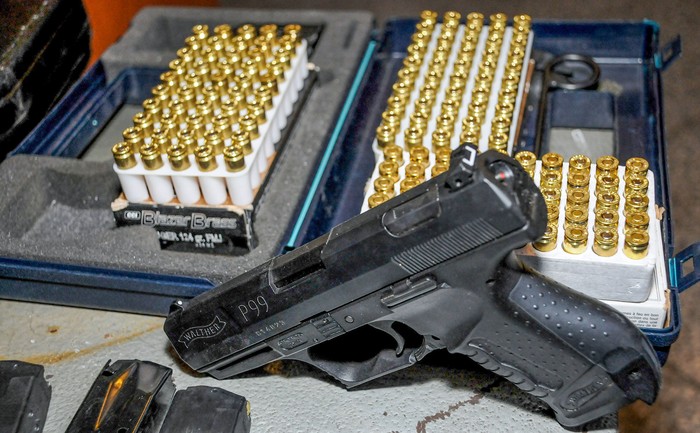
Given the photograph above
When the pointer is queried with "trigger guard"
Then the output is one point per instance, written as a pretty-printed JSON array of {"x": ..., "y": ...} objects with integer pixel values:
[{"x": 387, "y": 328}]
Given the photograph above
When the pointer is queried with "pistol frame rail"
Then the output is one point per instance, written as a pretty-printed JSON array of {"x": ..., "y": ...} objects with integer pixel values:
[{"x": 431, "y": 268}]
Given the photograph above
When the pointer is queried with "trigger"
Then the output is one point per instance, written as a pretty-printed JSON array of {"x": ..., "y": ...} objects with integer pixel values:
[{"x": 386, "y": 327}]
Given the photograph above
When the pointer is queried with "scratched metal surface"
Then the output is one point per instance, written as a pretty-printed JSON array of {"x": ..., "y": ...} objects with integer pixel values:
[{"x": 74, "y": 344}]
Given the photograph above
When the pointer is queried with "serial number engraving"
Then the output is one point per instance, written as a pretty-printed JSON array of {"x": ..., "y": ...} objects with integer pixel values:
[
  {"x": 269, "y": 328},
  {"x": 253, "y": 306}
]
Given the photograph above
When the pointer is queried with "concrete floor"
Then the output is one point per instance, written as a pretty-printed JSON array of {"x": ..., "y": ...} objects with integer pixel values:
[{"x": 681, "y": 387}]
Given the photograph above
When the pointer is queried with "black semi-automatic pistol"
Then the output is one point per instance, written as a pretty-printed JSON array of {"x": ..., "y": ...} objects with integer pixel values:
[{"x": 432, "y": 268}]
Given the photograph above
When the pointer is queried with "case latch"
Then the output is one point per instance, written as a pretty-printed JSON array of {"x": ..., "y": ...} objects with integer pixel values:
[
  {"x": 685, "y": 267},
  {"x": 668, "y": 54}
]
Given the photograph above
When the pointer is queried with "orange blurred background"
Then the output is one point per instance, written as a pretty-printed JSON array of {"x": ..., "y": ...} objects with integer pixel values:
[{"x": 109, "y": 19}]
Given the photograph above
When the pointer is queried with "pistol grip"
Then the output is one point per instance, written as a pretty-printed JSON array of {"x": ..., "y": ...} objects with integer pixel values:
[{"x": 580, "y": 356}]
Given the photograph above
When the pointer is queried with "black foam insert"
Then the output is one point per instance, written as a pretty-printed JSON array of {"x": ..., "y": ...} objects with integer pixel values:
[{"x": 57, "y": 210}]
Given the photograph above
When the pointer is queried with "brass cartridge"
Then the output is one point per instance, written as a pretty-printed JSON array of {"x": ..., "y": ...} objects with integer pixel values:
[
  {"x": 250, "y": 125},
  {"x": 234, "y": 158},
  {"x": 548, "y": 241},
  {"x": 162, "y": 93},
  {"x": 443, "y": 154},
  {"x": 161, "y": 137},
  {"x": 256, "y": 109},
  {"x": 408, "y": 183},
  {"x": 384, "y": 184},
  {"x": 498, "y": 141},
  {"x": 577, "y": 179},
  {"x": 576, "y": 216},
  {"x": 178, "y": 156},
  {"x": 606, "y": 165},
  {"x": 133, "y": 136},
  {"x": 123, "y": 155},
  {"x": 152, "y": 106},
  {"x": 551, "y": 195},
  {"x": 550, "y": 179},
  {"x": 168, "y": 79},
  {"x": 607, "y": 200},
  {"x": 636, "y": 244},
  {"x": 438, "y": 168},
  {"x": 420, "y": 155},
  {"x": 636, "y": 165},
  {"x": 419, "y": 120},
  {"x": 441, "y": 139},
  {"x": 205, "y": 109},
  {"x": 211, "y": 94},
  {"x": 186, "y": 95},
  {"x": 637, "y": 221},
  {"x": 605, "y": 242},
  {"x": 206, "y": 160},
  {"x": 376, "y": 199},
  {"x": 527, "y": 160},
  {"x": 578, "y": 197},
  {"x": 445, "y": 121},
  {"x": 636, "y": 184},
  {"x": 580, "y": 164},
  {"x": 607, "y": 182},
  {"x": 213, "y": 139},
  {"x": 168, "y": 122},
  {"x": 402, "y": 90},
  {"x": 636, "y": 203},
  {"x": 151, "y": 156},
  {"x": 241, "y": 138},
  {"x": 389, "y": 169},
  {"x": 145, "y": 122},
  {"x": 393, "y": 153},
  {"x": 195, "y": 123},
  {"x": 416, "y": 171},
  {"x": 413, "y": 137},
  {"x": 606, "y": 219},
  {"x": 552, "y": 161},
  {"x": 552, "y": 212},
  {"x": 201, "y": 31},
  {"x": 229, "y": 110},
  {"x": 186, "y": 138},
  {"x": 392, "y": 119},
  {"x": 178, "y": 109},
  {"x": 575, "y": 239},
  {"x": 222, "y": 126}
]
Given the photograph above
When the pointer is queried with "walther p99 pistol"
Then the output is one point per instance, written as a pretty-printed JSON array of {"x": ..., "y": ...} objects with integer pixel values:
[{"x": 430, "y": 269}]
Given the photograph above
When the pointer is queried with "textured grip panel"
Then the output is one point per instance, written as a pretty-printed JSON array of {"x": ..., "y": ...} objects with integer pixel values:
[
  {"x": 578, "y": 355},
  {"x": 525, "y": 374},
  {"x": 589, "y": 327}
]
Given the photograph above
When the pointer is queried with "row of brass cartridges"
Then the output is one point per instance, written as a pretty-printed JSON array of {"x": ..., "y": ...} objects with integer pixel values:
[
  {"x": 248, "y": 49},
  {"x": 214, "y": 93},
  {"x": 198, "y": 110},
  {"x": 607, "y": 203},
  {"x": 454, "y": 91},
  {"x": 220, "y": 79},
  {"x": 177, "y": 154},
  {"x": 414, "y": 171},
  {"x": 407, "y": 79},
  {"x": 476, "y": 113},
  {"x": 188, "y": 188},
  {"x": 424, "y": 104},
  {"x": 403, "y": 86},
  {"x": 201, "y": 123},
  {"x": 508, "y": 91},
  {"x": 510, "y": 84}
]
